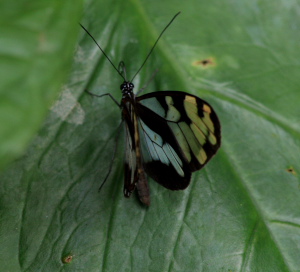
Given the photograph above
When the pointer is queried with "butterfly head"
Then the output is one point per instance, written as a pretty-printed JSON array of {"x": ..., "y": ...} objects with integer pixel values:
[{"x": 126, "y": 87}]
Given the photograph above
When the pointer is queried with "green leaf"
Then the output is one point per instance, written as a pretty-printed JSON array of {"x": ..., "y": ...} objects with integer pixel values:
[
  {"x": 36, "y": 45},
  {"x": 240, "y": 213}
]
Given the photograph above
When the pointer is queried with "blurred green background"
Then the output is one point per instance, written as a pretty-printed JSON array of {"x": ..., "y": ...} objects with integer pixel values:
[{"x": 240, "y": 213}]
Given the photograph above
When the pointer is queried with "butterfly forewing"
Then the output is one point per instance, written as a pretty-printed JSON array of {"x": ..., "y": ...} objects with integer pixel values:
[{"x": 179, "y": 134}]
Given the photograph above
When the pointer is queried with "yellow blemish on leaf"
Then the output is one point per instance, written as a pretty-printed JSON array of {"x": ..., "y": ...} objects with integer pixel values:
[
  {"x": 291, "y": 170},
  {"x": 67, "y": 259},
  {"x": 208, "y": 62}
]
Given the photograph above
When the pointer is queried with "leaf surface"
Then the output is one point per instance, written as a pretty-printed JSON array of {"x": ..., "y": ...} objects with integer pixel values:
[{"x": 240, "y": 213}]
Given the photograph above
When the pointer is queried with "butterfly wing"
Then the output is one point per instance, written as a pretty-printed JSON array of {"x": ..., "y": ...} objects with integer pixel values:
[
  {"x": 130, "y": 167},
  {"x": 134, "y": 174},
  {"x": 179, "y": 134}
]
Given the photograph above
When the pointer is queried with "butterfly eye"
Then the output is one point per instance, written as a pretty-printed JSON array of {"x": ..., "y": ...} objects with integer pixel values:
[{"x": 122, "y": 86}]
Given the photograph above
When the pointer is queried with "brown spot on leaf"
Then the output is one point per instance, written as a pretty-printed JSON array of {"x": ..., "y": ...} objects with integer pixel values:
[
  {"x": 291, "y": 170},
  {"x": 67, "y": 259},
  {"x": 205, "y": 62}
]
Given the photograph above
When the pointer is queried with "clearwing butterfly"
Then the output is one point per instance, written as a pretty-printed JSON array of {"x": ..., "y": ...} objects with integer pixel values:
[{"x": 169, "y": 134}]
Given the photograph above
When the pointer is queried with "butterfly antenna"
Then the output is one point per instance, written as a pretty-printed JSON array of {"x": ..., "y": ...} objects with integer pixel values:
[
  {"x": 155, "y": 44},
  {"x": 102, "y": 51},
  {"x": 122, "y": 68}
]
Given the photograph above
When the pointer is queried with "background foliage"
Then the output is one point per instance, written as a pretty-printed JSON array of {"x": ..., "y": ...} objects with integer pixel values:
[{"x": 240, "y": 213}]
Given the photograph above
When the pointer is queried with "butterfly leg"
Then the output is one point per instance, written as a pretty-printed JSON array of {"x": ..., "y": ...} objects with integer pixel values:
[
  {"x": 113, "y": 157},
  {"x": 112, "y": 98}
]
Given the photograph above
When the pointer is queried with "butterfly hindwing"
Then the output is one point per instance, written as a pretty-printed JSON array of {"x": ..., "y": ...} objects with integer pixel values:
[
  {"x": 130, "y": 165},
  {"x": 161, "y": 155},
  {"x": 179, "y": 134}
]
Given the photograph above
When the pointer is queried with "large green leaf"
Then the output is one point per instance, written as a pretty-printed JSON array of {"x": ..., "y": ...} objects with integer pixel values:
[
  {"x": 37, "y": 41},
  {"x": 240, "y": 213}
]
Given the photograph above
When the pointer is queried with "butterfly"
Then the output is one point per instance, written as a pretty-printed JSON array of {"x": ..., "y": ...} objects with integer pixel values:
[{"x": 169, "y": 134}]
